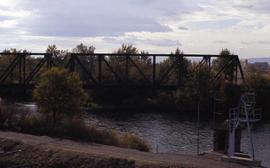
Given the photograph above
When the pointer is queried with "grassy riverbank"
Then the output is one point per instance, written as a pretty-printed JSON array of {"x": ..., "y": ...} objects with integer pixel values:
[{"x": 20, "y": 120}]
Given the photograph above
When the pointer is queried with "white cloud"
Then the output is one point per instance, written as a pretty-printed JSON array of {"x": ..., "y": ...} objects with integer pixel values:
[{"x": 197, "y": 26}]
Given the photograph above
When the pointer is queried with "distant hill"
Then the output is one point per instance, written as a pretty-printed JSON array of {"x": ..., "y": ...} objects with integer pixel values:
[{"x": 265, "y": 59}]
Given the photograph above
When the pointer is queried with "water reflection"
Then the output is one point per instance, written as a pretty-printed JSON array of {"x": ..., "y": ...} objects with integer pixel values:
[
  {"x": 178, "y": 134},
  {"x": 165, "y": 134}
]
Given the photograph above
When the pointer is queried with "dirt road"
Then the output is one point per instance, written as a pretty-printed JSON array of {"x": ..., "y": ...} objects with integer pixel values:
[{"x": 40, "y": 148}]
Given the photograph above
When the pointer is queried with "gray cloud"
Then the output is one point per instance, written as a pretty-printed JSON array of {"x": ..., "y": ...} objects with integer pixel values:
[
  {"x": 221, "y": 41},
  {"x": 262, "y": 6},
  {"x": 108, "y": 27},
  {"x": 109, "y": 18},
  {"x": 134, "y": 40},
  {"x": 183, "y": 28},
  {"x": 99, "y": 17},
  {"x": 255, "y": 42},
  {"x": 243, "y": 6}
]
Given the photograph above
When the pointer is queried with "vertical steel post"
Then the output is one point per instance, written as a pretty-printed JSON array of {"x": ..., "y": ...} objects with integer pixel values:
[
  {"x": 154, "y": 70},
  {"x": 127, "y": 66},
  {"x": 100, "y": 69},
  {"x": 198, "y": 128},
  {"x": 72, "y": 63},
  {"x": 24, "y": 68},
  {"x": 236, "y": 72},
  {"x": 209, "y": 65},
  {"x": 20, "y": 68},
  {"x": 180, "y": 69},
  {"x": 49, "y": 60}
]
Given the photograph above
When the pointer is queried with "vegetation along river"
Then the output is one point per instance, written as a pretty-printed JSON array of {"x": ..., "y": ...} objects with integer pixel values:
[{"x": 170, "y": 133}]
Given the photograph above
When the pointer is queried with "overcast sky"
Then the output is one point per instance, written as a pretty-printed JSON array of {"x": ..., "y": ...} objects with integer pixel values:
[{"x": 158, "y": 26}]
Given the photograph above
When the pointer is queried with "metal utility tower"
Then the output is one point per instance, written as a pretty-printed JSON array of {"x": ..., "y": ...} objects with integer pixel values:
[{"x": 243, "y": 116}]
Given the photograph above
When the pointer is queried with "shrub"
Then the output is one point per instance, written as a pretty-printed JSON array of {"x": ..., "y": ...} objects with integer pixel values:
[
  {"x": 3, "y": 115},
  {"x": 9, "y": 116},
  {"x": 134, "y": 142},
  {"x": 260, "y": 84},
  {"x": 76, "y": 128},
  {"x": 35, "y": 123},
  {"x": 59, "y": 93}
]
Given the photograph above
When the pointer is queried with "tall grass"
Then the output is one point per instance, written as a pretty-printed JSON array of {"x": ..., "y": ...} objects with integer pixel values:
[{"x": 20, "y": 120}]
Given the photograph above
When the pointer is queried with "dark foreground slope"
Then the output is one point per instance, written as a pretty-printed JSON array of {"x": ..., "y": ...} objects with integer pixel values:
[{"x": 20, "y": 150}]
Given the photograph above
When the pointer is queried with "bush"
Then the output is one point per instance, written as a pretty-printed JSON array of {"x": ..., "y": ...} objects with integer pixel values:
[
  {"x": 260, "y": 84},
  {"x": 59, "y": 93},
  {"x": 4, "y": 115},
  {"x": 74, "y": 128},
  {"x": 35, "y": 124},
  {"x": 77, "y": 129},
  {"x": 10, "y": 116},
  {"x": 132, "y": 141}
]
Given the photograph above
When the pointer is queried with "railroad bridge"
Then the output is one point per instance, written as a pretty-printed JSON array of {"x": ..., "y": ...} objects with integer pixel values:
[{"x": 23, "y": 69}]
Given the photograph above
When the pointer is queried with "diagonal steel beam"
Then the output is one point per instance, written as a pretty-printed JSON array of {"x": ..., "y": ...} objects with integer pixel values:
[
  {"x": 139, "y": 70},
  {"x": 167, "y": 72},
  {"x": 10, "y": 68},
  {"x": 111, "y": 69},
  {"x": 35, "y": 70},
  {"x": 85, "y": 70}
]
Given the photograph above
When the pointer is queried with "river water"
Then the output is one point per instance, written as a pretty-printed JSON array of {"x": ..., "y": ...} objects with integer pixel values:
[
  {"x": 178, "y": 134},
  {"x": 171, "y": 133}
]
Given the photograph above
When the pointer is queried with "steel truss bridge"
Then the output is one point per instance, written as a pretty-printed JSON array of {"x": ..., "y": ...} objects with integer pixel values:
[{"x": 155, "y": 78}]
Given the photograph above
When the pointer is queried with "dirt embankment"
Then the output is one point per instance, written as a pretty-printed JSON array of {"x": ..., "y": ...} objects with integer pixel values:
[{"x": 25, "y": 151}]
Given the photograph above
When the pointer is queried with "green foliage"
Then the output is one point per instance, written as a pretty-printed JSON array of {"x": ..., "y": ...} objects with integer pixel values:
[
  {"x": 59, "y": 93},
  {"x": 222, "y": 61},
  {"x": 260, "y": 84},
  {"x": 184, "y": 98},
  {"x": 230, "y": 94},
  {"x": 75, "y": 128}
]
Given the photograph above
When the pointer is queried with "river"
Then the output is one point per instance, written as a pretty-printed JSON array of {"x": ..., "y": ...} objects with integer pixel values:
[
  {"x": 168, "y": 133},
  {"x": 178, "y": 134}
]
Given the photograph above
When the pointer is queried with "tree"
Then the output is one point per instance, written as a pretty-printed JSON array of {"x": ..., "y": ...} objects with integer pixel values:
[
  {"x": 127, "y": 49},
  {"x": 87, "y": 61},
  {"x": 52, "y": 49},
  {"x": 81, "y": 48},
  {"x": 118, "y": 62},
  {"x": 174, "y": 55},
  {"x": 180, "y": 63},
  {"x": 58, "y": 55},
  {"x": 59, "y": 93},
  {"x": 223, "y": 61},
  {"x": 145, "y": 59}
]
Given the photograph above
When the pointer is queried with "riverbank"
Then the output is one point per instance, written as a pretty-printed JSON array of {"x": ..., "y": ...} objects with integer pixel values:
[{"x": 45, "y": 152}]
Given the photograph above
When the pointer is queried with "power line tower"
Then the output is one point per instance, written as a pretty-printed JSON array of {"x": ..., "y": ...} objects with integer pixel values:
[{"x": 243, "y": 116}]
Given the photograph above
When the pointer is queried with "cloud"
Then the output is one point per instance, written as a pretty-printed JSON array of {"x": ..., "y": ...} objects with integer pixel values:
[
  {"x": 258, "y": 42},
  {"x": 183, "y": 28},
  {"x": 134, "y": 40},
  {"x": 95, "y": 18},
  {"x": 197, "y": 26},
  {"x": 221, "y": 41},
  {"x": 214, "y": 24}
]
